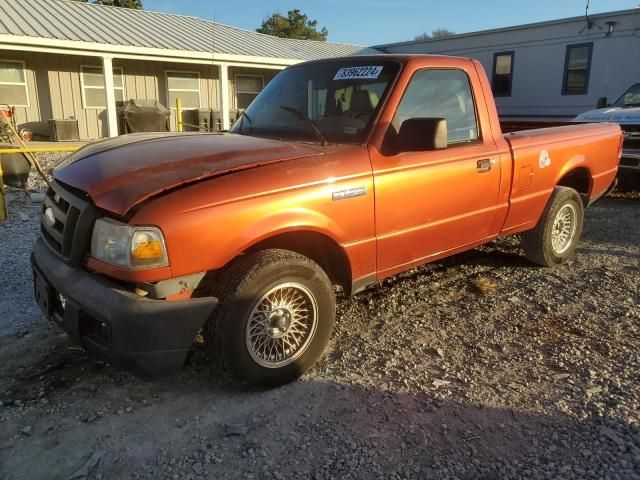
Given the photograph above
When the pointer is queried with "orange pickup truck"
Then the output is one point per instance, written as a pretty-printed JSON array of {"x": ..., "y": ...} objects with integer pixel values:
[{"x": 340, "y": 173}]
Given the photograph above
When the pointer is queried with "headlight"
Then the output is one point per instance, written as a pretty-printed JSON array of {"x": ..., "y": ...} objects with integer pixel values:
[{"x": 129, "y": 247}]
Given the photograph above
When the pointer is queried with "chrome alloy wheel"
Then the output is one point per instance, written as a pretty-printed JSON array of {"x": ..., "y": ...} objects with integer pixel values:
[
  {"x": 281, "y": 325},
  {"x": 564, "y": 229}
]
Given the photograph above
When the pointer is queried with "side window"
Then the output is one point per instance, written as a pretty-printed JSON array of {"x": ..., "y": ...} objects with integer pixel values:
[
  {"x": 186, "y": 87},
  {"x": 247, "y": 88},
  {"x": 92, "y": 81},
  {"x": 13, "y": 84},
  {"x": 441, "y": 94},
  {"x": 577, "y": 67},
  {"x": 502, "y": 74}
]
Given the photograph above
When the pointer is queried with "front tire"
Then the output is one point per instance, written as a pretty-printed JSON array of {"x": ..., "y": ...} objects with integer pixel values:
[
  {"x": 556, "y": 236},
  {"x": 275, "y": 318}
]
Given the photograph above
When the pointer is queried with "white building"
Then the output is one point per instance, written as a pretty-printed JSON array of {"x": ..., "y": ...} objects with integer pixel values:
[{"x": 551, "y": 70}]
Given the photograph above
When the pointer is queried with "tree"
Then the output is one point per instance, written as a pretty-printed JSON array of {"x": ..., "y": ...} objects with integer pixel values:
[
  {"x": 435, "y": 33},
  {"x": 422, "y": 36},
  {"x": 441, "y": 33},
  {"x": 135, "y": 4},
  {"x": 295, "y": 25}
]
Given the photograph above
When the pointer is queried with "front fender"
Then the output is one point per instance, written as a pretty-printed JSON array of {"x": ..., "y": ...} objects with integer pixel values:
[{"x": 295, "y": 219}]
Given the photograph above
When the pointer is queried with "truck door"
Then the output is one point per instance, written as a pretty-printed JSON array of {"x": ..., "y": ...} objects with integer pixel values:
[{"x": 429, "y": 203}]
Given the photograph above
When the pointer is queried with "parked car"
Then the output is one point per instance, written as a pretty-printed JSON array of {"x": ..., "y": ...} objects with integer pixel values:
[
  {"x": 341, "y": 172},
  {"x": 626, "y": 112}
]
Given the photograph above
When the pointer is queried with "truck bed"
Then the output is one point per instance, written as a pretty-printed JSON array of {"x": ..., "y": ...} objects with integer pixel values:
[{"x": 566, "y": 155}]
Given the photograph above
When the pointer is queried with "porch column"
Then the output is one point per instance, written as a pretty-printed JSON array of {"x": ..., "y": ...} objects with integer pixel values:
[
  {"x": 224, "y": 95},
  {"x": 112, "y": 116}
]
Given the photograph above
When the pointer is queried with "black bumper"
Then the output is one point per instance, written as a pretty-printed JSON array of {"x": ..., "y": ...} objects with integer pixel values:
[{"x": 147, "y": 337}]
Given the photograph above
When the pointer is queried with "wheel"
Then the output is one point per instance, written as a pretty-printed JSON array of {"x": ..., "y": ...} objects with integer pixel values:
[
  {"x": 274, "y": 320},
  {"x": 558, "y": 231}
]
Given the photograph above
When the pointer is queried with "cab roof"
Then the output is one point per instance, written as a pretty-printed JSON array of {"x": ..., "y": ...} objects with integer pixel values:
[{"x": 393, "y": 57}]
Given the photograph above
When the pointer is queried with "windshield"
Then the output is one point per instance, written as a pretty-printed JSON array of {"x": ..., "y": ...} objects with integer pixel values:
[
  {"x": 631, "y": 97},
  {"x": 333, "y": 102}
]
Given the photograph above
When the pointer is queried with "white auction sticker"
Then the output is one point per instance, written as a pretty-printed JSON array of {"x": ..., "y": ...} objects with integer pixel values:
[
  {"x": 544, "y": 159},
  {"x": 368, "y": 72}
]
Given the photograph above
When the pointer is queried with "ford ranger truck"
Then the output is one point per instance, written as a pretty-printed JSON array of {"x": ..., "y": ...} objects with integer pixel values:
[
  {"x": 341, "y": 172},
  {"x": 625, "y": 112}
]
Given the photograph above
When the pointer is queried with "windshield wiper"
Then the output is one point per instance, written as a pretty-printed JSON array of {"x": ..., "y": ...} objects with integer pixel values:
[
  {"x": 299, "y": 114},
  {"x": 634, "y": 104}
]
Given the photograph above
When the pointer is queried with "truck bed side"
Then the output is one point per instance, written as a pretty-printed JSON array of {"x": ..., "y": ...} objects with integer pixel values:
[{"x": 584, "y": 157}]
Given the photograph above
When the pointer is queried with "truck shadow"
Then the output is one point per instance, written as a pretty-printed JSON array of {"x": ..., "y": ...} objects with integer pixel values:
[{"x": 315, "y": 426}]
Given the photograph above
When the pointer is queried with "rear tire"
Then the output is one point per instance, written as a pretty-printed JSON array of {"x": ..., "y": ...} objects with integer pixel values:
[
  {"x": 275, "y": 318},
  {"x": 555, "y": 237}
]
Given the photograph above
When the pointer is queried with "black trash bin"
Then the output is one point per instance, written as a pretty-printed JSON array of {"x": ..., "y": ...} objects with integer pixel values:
[
  {"x": 216, "y": 120},
  {"x": 204, "y": 119},
  {"x": 145, "y": 116}
]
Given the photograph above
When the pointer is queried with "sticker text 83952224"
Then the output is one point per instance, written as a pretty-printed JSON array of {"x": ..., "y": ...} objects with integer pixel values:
[{"x": 366, "y": 72}]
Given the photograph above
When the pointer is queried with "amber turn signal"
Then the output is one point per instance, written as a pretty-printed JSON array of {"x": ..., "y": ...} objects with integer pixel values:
[{"x": 148, "y": 251}]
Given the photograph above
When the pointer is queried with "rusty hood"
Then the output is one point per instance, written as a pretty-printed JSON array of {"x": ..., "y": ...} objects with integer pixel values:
[{"x": 122, "y": 172}]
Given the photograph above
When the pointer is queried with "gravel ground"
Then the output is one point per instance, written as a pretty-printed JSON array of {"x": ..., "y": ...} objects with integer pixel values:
[{"x": 478, "y": 367}]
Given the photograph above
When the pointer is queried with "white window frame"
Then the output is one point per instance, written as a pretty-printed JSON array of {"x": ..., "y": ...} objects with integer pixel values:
[
  {"x": 169, "y": 90},
  {"x": 24, "y": 84},
  {"x": 95, "y": 87},
  {"x": 235, "y": 79}
]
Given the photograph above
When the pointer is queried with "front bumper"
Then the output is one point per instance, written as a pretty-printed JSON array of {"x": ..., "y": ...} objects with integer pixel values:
[{"x": 147, "y": 337}]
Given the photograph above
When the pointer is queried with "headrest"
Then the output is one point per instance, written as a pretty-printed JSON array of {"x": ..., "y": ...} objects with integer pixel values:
[{"x": 363, "y": 101}]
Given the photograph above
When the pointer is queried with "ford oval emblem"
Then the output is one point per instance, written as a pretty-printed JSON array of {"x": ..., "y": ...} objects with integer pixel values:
[{"x": 49, "y": 217}]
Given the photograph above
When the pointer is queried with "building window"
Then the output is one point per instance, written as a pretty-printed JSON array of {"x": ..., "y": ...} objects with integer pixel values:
[
  {"x": 13, "y": 84},
  {"x": 502, "y": 74},
  {"x": 577, "y": 67},
  {"x": 186, "y": 87},
  {"x": 93, "y": 95},
  {"x": 247, "y": 88},
  {"x": 441, "y": 94}
]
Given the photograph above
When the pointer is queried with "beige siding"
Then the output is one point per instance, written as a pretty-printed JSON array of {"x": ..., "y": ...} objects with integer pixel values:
[
  {"x": 55, "y": 91},
  {"x": 54, "y": 88}
]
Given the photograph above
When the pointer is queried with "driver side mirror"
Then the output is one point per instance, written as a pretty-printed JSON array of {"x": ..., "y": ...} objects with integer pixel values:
[
  {"x": 602, "y": 103},
  {"x": 421, "y": 135}
]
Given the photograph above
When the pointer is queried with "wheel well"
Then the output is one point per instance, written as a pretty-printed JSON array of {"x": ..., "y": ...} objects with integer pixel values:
[
  {"x": 319, "y": 248},
  {"x": 580, "y": 180}
]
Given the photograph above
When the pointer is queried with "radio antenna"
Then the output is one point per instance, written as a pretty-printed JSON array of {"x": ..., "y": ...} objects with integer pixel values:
[
  {"x": 590, "y": 24},
  {"x": 586, "y": 15}
]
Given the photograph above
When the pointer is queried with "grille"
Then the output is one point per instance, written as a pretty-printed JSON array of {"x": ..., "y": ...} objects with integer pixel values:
[
  {"x": 68, "y": 212},
  {"x": 631, "y": 137}
]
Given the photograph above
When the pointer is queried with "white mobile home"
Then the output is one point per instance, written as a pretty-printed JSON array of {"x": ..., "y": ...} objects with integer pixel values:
[
  {"x": 76, "y": 61},
  {"x": 551, "y": 70}
]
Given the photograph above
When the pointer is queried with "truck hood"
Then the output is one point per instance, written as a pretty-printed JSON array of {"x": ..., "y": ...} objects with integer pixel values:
[
  {"x": 622, "y": 116},
  {"x": 121, "y": 172}
]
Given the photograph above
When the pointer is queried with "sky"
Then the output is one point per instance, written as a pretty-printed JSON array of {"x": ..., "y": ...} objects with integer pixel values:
[{"x": 374, "y": 22}]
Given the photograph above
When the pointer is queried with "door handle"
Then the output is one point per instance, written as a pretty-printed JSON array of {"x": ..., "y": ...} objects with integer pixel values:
[{"x": 485, "y": 165}]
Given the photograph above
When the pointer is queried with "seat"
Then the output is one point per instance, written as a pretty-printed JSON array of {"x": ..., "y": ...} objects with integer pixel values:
[{"x": 363, "y": 104}]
